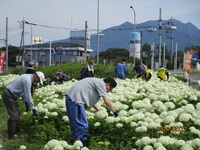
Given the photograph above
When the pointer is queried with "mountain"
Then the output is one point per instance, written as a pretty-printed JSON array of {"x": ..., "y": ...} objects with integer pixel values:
[
  {"x": 185, "y": 35},
  {"x": 118, "y": 36}
]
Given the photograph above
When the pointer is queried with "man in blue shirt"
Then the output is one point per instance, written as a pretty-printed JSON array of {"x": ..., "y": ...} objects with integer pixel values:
[
  {"x": 19, "y": 87},
  {"x": 121, "y": 69}
]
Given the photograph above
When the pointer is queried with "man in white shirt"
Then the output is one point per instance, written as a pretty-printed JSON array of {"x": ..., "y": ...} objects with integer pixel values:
[{"x": 19, "y": 87}]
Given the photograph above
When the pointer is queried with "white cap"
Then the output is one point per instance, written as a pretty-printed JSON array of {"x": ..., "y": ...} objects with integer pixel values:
[{"x": 41, "y": 76}]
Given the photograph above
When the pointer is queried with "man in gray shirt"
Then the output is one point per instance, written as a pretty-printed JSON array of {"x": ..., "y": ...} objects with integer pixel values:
[
  {"x": 86, "y": 93},
  {"x": 19, "y": 87}
]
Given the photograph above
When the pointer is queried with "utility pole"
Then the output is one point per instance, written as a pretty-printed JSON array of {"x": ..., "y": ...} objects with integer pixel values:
[
  {"x": 172, "y": 45},
  {"x": 6, "y": 43},
  {"x": 23, "y": 44},
  {"x": 98, "y": 32},
  {"x": 21, "y": 52},
  {"x": 164, "y": 56},
  {"x": 86, "y": 40},
  {"x": 141, "y": 45},
  {"x": 152, "y": 56},
  {"x": 160, "y": 34}
]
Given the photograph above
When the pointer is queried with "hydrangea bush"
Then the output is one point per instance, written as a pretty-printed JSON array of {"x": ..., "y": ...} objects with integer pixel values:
[{"x": 153, "y": 115}]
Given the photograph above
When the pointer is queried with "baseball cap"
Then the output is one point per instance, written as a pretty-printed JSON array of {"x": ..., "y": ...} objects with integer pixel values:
[{"x": 41, "y": 76}]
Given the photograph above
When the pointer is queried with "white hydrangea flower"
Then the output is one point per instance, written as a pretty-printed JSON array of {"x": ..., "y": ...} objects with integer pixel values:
[
  {"x": 132, "y": 111},
  {"x": 57, "y": 147},
  {"x": 148, "y": 147},
  {"x": 157, "y": 144},
  {"x": 119, "y": 125},
  {"x": 187, "y": 147},
  {"x": 172, "y": 113},
  {"x": 169, "y": 119},
  {"x": 97, "y": 124},
  {"x": 54, "y": 114},
  {"x": 138, "y": 143},
  {"x": 133, "y": 124},
  {"x": 189, "y": 108},
  {"x": 165, "y": 140},
  {"x": 52, "y": 143},
  {"x": 161, "y": 148},
  {"x": 180, "y": 142},
  {"x": 110, "y": 119},
  {"x": 193, "y": 98},
  {"x": 141, "y": 129},
  {"x": 197, "y": 122},
  {"x": 77, "y": 144},
  {"x": 169, "y": 105},
  {"x": 152, "y": 125},
  {"x": 65, "y": 118},
  {"x": 146, "y": 140},
  {"x": 84, "y": 148},
  {"x": 196, "y": 142},
  {"x": 185, "y": 117},
  {"x": 123, "y": 113},
  {"x": 22, "y": 147},
  {"x": 101, "y": 114},
  {"x": 64, "y": 144},
  {"x": 198, "y": 106}
]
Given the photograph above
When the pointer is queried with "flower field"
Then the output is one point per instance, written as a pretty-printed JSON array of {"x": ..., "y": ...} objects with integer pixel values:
[{"x": 153, "y": 115}]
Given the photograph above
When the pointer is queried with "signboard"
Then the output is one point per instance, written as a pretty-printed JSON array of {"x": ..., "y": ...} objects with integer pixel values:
[
  {"x": 79, "y": 34},
  {"x": 2, "y": 60},
  {"x": 187, "y": 61},
  {"x": 57, "y": 50}
]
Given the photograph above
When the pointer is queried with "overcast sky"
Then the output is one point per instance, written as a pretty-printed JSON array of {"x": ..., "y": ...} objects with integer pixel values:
[{"x": 72, "y": 14}]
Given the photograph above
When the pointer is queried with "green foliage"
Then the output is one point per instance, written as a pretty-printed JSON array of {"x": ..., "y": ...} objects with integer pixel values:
[
  {"x": 43, "y": 133},
  {"x": 73, "y": 70}
]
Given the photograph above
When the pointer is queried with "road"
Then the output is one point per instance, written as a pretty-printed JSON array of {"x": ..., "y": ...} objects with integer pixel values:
[{"x": 193, "y": 78}]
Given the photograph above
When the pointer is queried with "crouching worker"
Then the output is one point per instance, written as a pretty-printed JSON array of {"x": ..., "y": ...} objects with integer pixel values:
[
  {"x": 162, "y": 73},
  {"x": 19, "y": 87},
  {"x": 86, "y": 93},
  {"x": 145, "y": 74}
]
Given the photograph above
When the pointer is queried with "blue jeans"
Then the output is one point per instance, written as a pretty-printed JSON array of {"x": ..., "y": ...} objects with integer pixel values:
[{"x": 77, "y": 119}]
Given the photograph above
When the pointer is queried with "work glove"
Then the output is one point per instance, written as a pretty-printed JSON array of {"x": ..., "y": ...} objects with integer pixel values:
[
  {"x": 116, "y": 114},
  {"x": 34, "y": 112},
  {"x": 27, "y": 107}
]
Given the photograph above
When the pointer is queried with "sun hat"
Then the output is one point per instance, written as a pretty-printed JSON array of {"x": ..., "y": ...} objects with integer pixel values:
[
  {"x": 41, "y": 76},
  {"x": 30, "y": 64},
  {"x": 91, "y": 62}
]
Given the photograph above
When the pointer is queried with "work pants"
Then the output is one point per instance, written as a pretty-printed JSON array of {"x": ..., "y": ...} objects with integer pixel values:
[{"x": 77, "y": 119}]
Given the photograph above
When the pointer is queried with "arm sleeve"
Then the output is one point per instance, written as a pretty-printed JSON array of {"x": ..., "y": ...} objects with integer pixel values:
[{"x": 27, "y": 95}]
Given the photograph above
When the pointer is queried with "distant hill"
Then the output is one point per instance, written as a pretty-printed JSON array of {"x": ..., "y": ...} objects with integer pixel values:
[{"x": 118, "y": 36}]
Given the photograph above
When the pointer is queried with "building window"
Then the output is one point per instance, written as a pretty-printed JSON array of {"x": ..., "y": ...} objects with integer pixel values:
[
  {"x": 42, "y": 63},
  {"x": 29, "y": 53},
  {"x": 42, "y": 54},
  {"x": 65, "y": 53},
  {"x": 74, "y": 53}
]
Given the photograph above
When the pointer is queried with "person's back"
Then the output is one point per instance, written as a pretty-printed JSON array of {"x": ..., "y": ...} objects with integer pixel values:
[
  {"x": 137, "y": 68},
  {"x": 88, "y": 70},
  {"x": 121, "y": 69},
  {"x": 30, "y": 69}
]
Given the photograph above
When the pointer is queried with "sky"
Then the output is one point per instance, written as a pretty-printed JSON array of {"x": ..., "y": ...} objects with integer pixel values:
[{"x": 55, "y": 19}]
